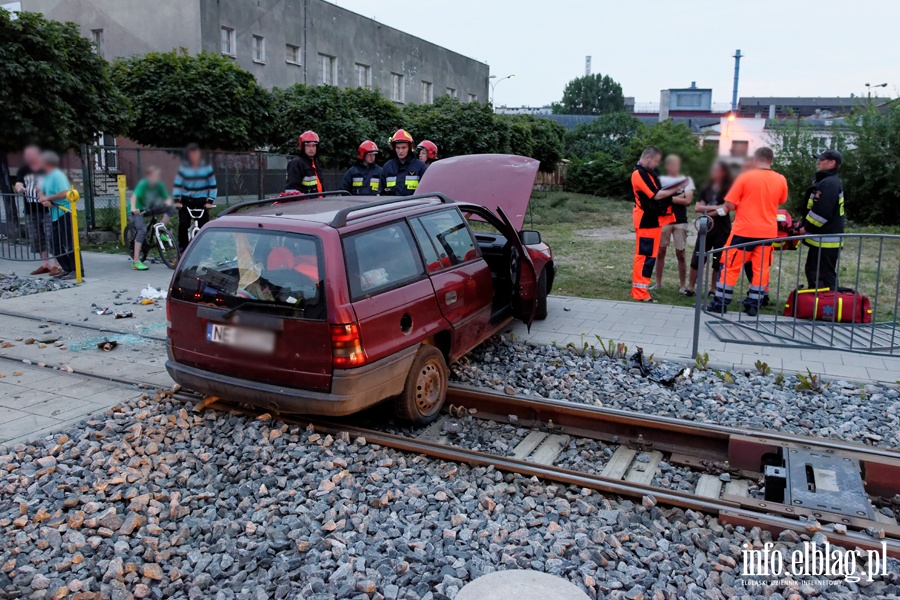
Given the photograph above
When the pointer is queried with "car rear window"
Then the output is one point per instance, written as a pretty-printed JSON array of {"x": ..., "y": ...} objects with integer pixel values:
[
  {"x": 235, "y": 267},
  {"x": 381, "y": 259}
]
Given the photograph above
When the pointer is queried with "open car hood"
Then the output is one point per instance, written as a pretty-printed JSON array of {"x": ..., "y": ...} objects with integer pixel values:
[{"x": 491, "y": 180}]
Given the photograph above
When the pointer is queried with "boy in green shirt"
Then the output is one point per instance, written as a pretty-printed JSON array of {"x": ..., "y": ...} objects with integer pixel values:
[{"x": 150, "y": 198}]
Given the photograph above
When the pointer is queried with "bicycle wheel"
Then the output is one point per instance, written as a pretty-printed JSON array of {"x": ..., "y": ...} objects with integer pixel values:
[
  {"x": 130, "y": 235},
  {"x": 167, "y": 247}
]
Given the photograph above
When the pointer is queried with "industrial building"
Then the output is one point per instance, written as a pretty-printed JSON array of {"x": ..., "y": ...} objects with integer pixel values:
[{"x": 282, "y": 42}]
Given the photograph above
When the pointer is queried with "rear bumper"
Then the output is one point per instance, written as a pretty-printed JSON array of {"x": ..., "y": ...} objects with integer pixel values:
[{"x": 352, "y": 390}]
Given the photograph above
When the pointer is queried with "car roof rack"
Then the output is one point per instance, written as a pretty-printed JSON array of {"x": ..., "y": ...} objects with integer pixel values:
[
  {"x": 341, "y": 217},
  {"x": 281, "y": 200}
]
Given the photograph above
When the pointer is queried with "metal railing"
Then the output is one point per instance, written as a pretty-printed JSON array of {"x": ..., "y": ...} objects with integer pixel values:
[
  {"x": 867, "y": 263},
  {"x": 28, "y": 232}
]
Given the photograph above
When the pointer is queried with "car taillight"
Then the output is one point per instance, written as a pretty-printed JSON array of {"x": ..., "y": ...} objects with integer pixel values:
[{"x": 346, "y": 346}]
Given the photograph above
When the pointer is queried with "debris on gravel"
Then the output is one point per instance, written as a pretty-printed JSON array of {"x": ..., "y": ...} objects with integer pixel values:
[
  {"x": 154, "y": 500},
  {"x": 14, "y": 286},
  {"x": 867, "y": 414}
]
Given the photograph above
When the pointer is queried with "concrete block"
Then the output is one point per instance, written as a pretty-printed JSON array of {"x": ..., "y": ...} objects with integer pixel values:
[{"x": 520, "y": 585}]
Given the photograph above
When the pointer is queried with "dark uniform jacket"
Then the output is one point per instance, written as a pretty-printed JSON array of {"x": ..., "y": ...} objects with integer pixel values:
[
  {"x": 303, "y": 175},
  {"x": 646, "y": 184},
  {"x": 401, "y": 179},
  {"x": 363, "y": 180},
  {"x": 825, "y": 210}
]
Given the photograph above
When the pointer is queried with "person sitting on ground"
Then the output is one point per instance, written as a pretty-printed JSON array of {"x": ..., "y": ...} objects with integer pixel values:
[
  {"x": 150, "y": 198},
  {"x": 54, "y": 195},
  {"x": 677, "y": 230},
  {"x": 37, "y": 216}
]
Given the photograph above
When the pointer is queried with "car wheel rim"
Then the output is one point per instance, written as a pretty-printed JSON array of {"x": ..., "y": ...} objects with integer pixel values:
[{"x": 429, "y": 385}]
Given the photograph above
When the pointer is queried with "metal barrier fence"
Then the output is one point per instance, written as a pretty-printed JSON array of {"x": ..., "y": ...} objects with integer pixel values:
[
  {"x": 867, "y": 263},
  {"x": 28, "y": 232},
  {"x": 240, "y": 176}
]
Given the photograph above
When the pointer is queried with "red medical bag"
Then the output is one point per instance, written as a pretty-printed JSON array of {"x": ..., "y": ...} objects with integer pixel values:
[{"x": 841, "y": 306}]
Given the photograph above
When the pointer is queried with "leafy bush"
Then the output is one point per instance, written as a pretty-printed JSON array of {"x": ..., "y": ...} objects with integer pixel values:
[
  {"x": 177, "y": 99},
  {"x": 675, "y": 138},
  {"x": 600, "y": 175},
  {"x": 871, "y": 170},
  {"x": 611, "y": 133}
]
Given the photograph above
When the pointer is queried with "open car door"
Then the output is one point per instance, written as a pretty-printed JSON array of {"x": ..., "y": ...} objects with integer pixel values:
[{"x": 521, "y": 268}]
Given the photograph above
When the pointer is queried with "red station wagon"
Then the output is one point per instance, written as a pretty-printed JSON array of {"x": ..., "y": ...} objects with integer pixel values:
[{"x": 328, "y": 304}]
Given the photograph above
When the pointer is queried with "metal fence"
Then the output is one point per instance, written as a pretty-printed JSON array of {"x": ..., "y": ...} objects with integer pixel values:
[
  {"x": 28, "y": 232},
  {"x": 868, "y": 264},
  {"x": 240, "y": 176}
]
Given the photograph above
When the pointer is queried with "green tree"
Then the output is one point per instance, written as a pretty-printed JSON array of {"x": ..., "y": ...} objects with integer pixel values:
[
  {"x": 674, "y": 138},
  {"x": 177, "y": 99},
  {"x": 871, "y": 169},
  {"x": 54, "y": 89},
  {"x": 591, "y": 95},
  {"x": 342, "y": 118},
  {"x": 458, "y": 127},
  {"x": 600, "y": 174},
  {"x": 611, "y": 133},
  {"x": 541, "y": 139}
]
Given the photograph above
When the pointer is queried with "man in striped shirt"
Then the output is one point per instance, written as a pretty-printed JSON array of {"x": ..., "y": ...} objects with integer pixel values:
[{"x": 194, "y": 188}]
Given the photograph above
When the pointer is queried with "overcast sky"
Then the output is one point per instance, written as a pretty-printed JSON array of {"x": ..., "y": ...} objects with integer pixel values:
[{"x": 792, "y": 47}]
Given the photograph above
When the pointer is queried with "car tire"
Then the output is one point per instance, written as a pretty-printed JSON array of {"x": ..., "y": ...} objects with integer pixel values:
[
  {"x": 540, "y": 312},
  {"x": 426, "y": 387}
]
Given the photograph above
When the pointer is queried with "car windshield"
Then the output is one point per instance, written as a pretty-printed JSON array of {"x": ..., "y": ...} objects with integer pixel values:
[{"x": 279, "y": 272}]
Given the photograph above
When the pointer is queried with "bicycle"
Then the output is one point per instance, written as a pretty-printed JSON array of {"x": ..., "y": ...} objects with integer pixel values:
[
  {"x": 158, "y": 236},
  {"x": 196, "y": 214}
]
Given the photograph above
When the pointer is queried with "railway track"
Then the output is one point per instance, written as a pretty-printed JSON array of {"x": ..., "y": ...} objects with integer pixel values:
[
  {"x": 835, "y": 483},
  {"x": 832, "y": 484}
]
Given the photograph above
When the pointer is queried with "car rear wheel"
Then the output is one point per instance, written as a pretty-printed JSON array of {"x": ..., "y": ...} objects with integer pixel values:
[
  {"x": 425, "y": 389},
  {"x": 540, "y": 312}
]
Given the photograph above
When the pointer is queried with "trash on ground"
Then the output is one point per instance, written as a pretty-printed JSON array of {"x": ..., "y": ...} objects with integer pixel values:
[
  {"x": 637, "y": 362},
  {"x": 147, "y": 301},
  {"x": 124, "y": 315},
  {"x": 104, "y": 311},
  {"x": 107, "y": 345},
  {"x": 151, "y": 293}
]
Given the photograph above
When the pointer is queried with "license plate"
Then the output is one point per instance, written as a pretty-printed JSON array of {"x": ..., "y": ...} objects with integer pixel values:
[{"x": 254, "y": 340}]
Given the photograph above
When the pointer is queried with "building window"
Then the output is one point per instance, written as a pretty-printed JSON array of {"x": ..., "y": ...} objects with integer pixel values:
[
  {"x": 292, "y": 54},
  {"x": 739, "y": 148},
  {"x": 451, "y": 92},
  {"x": 473, "y": 97},
  {"x": 427, "y": 92},
  {"x": 228, "y": 47},
  {"x": 329, "y": 69},
  {"x": 689, "y": 101},
  {"x": 363, "y": 76},
  {"x": 397, "y": 89},
  {"x": 259, "y": 49},
  {"x": 97, "y": 38}
]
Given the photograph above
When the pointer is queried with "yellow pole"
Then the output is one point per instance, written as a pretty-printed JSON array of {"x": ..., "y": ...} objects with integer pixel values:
[
  {"x": 72, "y": 197},
  {"x": 123, "y": 212}
]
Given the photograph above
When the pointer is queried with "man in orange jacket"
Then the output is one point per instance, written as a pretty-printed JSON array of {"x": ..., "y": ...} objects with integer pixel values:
[
  {"x": 652, "y": 206},
  {"x": 755, "y": 197}
]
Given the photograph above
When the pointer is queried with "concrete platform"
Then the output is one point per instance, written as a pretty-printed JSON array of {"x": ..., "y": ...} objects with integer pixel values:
[{"x": 520, "y": 585}]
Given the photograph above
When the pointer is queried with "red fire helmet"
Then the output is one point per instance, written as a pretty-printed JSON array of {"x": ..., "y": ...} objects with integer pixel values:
[
  {"x": 430, "y": 147},
  {"x": 308, "y": 137},
  {"x": 401, "y": 136},
  {"x": 366, "y": 147}
]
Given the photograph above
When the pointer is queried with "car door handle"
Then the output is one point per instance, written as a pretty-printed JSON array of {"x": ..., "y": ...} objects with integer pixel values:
[{"x": 450, "y": 297}]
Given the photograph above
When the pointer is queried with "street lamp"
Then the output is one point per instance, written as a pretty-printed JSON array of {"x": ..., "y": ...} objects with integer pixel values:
[
  {"x": 869, "y": 87},
  {"x": 494, "y": 84}
]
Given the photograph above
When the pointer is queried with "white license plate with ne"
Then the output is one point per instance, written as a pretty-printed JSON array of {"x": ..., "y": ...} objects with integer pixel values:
[{"x": 254, "y": 340}]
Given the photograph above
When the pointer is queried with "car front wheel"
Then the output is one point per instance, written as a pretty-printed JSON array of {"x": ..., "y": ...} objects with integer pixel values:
[{"x": 425, "y": 389}]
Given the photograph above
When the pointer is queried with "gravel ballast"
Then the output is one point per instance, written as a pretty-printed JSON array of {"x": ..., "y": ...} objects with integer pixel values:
[
  {"x": 14, "y": 286},
  {"x": 868, "y": 414},
  {"x": 154, "y": 500}
]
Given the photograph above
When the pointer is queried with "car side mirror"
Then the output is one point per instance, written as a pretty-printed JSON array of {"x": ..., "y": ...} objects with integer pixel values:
[{"x": 530, "y": 238}]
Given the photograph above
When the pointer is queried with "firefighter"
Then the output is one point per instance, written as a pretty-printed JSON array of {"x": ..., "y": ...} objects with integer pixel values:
[
  {"x": 364, "y": 178},
  {"x": 825, "y": 217},
  {"x": 400, "y": 175},
  {"x": 652, "y": 206},
  {"x": 754, "y": 198},
  {"x": 427, "y": 151},
  {"x": 303, "y": 171}
]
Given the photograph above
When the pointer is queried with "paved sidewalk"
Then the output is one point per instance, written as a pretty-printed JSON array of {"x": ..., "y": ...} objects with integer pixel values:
[{"x": 667, "y": 332}]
